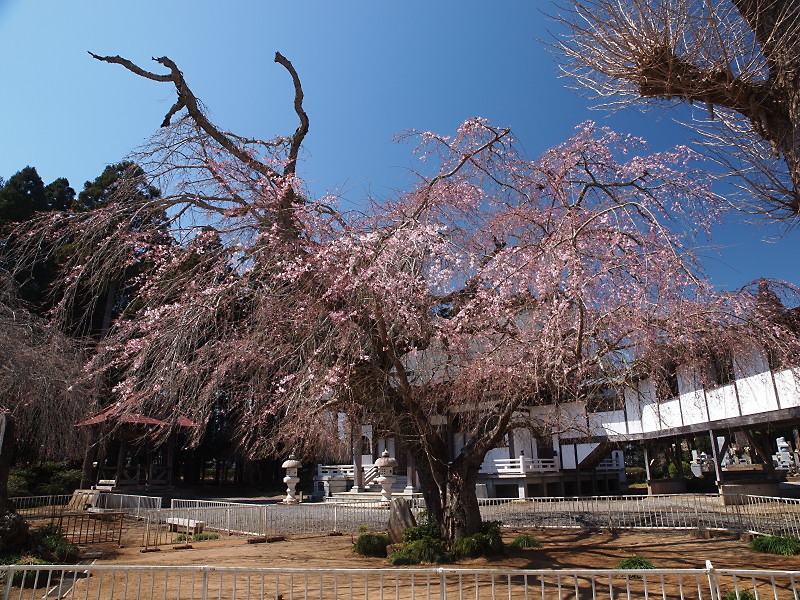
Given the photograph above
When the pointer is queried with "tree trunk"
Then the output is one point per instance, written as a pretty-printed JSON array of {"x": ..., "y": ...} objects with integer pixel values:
[
  {"x": 449, "y": 492},
  {"x": 13, "y": 528}
]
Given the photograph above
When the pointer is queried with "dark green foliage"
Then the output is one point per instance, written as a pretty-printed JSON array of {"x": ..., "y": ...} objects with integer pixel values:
[
  {"x": 634, "y": 562},
  {"x": 776, "y": 544},
  {"x": 489, "y": 539},
  {"x": 371, "y": 544},
  {"x": 525, "y": 541},
  {"x": 59, "y": 194},
  {"x": 101, "y": 191},
  {"x": 29, "y": 578},
  {"x": 741, "y": 595},
  {"x": 427, "y": 530},
  {"x": 199, "y": 537},
  {"x": 44, "y": 479},
  {"x": 21, "y": 196},
  {"x": 54, "y": 541},
  {"x": 423, "y": 550}
]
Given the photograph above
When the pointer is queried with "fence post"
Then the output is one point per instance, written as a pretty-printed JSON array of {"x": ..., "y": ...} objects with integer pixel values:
[
  {"x": 205, "y": 584},
  {"x": 713, "y": 581}
]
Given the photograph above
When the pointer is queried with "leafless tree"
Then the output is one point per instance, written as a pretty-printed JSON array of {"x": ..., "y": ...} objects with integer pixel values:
[{"x": 738, "y": 61}]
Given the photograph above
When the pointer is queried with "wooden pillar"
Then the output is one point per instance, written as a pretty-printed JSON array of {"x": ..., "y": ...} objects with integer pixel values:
[{"x": 647, "y": 461}]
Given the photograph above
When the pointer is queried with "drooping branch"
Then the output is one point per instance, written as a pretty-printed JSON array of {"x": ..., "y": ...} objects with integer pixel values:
[{"x": 737, "y": 59}]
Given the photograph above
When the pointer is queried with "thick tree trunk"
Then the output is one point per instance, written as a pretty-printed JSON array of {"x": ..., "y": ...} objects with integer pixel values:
[
  {"x": 449, "y": 492},
  {"x": 13, "y": 528}
]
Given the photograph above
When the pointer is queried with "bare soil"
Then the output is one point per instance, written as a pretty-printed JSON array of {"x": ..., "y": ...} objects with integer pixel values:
[{"x": 561, "y": 549}]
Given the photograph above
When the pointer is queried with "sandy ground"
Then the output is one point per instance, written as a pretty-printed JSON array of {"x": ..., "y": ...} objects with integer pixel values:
[{"x": 561, "y": 549}]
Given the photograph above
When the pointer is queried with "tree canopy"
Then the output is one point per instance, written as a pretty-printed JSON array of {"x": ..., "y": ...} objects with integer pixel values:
[{"x": 737, "y": 60}]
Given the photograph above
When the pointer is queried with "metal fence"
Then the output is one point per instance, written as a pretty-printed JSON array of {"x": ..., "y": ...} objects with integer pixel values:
[
  {"x": 129, "y": 503},
  {"x": 40, "y": 506},
  {"x": 187, "y": 503},
  {"x": 54, "y": 506},
  {"x": 170, "y": 525},
  {"x": 92, "y": 528},
  {"x": 760, "y": 514},
  {"x": 189, "y": 583}
]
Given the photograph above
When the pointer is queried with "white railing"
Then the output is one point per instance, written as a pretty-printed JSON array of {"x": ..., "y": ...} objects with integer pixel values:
[
  {"x": 759, "y": 514},
  {"x": 615, "y": 462},
  {"x": 188, "y": 503},
  {"x": 40, "y": 506},
  {"x": 163, "y": 526},
  {"x": 128, "y": 503},
  {"x": 196, "y": 583},
  {"x": 346, "y": 471},
  {"x": 55, "y": 506},
  {"x": 520, "y": 466}
]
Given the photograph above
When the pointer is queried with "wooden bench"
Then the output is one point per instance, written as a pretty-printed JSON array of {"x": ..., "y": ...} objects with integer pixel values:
[
  {"x": 106, "y": 485},
  {"x": 185, "y": 525}
]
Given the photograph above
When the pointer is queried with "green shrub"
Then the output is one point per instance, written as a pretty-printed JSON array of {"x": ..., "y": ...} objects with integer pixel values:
[
  {"x": 17, "y": 484},
  {"x": 466, "y": 547},
  {"x": 400, "y": 556},
  {"x": 54, "y": 541},
  {"x": 28, "y": 578},
  {"x": 635, "y": 475},
  {"x": 62, "y": 481},
  {"x": 635, "y": 562},
  {"x": 371, "y": 544},
  {"x": 742, "y": 595},
  {"x": 427, "y": 530},
  {"x": 423, "y": 550},
  {"x": 525, "y": 541},
  {"x": 776, "y": 544},
  {"x": 196, "y": 537}
]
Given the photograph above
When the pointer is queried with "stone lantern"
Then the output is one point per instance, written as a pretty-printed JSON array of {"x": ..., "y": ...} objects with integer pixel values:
[
  {"x": 386, "y": 477},
  {"x": 291, "y": 480}
]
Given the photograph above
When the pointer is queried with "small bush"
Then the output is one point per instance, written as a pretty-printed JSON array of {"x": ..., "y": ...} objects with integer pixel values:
[
  {"x": 776, "y": 544},
  {"x": 54, "y": 541},
  {"x": 427, "y": 530},
  {"x": 525, "y": 541},
  {"x": 196, "y": 537},
  {"x": 400, "y": 556},
  {"x": 17, "y": 485},
  {"x": 635, "y": 475},
  {"x": 423, "y": 550},
  {"x": 742, "y": 595},
  {"x": 28, "y": 578},
  {"x": 466, "y": 547},
  {"x": 635, "y": 562},
  {"x": 371, "y": 544}
]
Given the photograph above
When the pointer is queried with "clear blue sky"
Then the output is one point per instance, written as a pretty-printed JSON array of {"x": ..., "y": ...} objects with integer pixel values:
[{"x": 369, "y": 70}]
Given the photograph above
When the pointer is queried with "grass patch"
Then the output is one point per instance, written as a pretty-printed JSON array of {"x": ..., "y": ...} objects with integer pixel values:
[
  {"x": 776, "y": 544},
  {"x": 371, "y": 544},
  {"x": 634, "y": 562},
  {"x": 424, "y": 550},
  {"x": 54, "y": 541},
  {"x": 196, "y": 537},
  {"x": 525, "y": 541},
  {"x": 741, "y": 595}
]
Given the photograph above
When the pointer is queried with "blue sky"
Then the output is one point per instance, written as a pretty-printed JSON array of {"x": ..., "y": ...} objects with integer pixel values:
[{"x": 369, "y": 70}]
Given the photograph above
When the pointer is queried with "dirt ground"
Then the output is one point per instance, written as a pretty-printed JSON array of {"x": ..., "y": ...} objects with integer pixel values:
[{"x": 561, "y": 549}]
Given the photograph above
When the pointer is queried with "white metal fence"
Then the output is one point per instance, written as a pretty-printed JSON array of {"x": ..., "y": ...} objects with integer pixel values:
[
  {"x": 128, "y": 503},
  {"x": 55, "y": 506},
  {"x": 40, "y": 506},
  {"x": 172, "y": 525},
  {"x": 759, "y": 514},
  {"x": 189, "y": 583}
]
